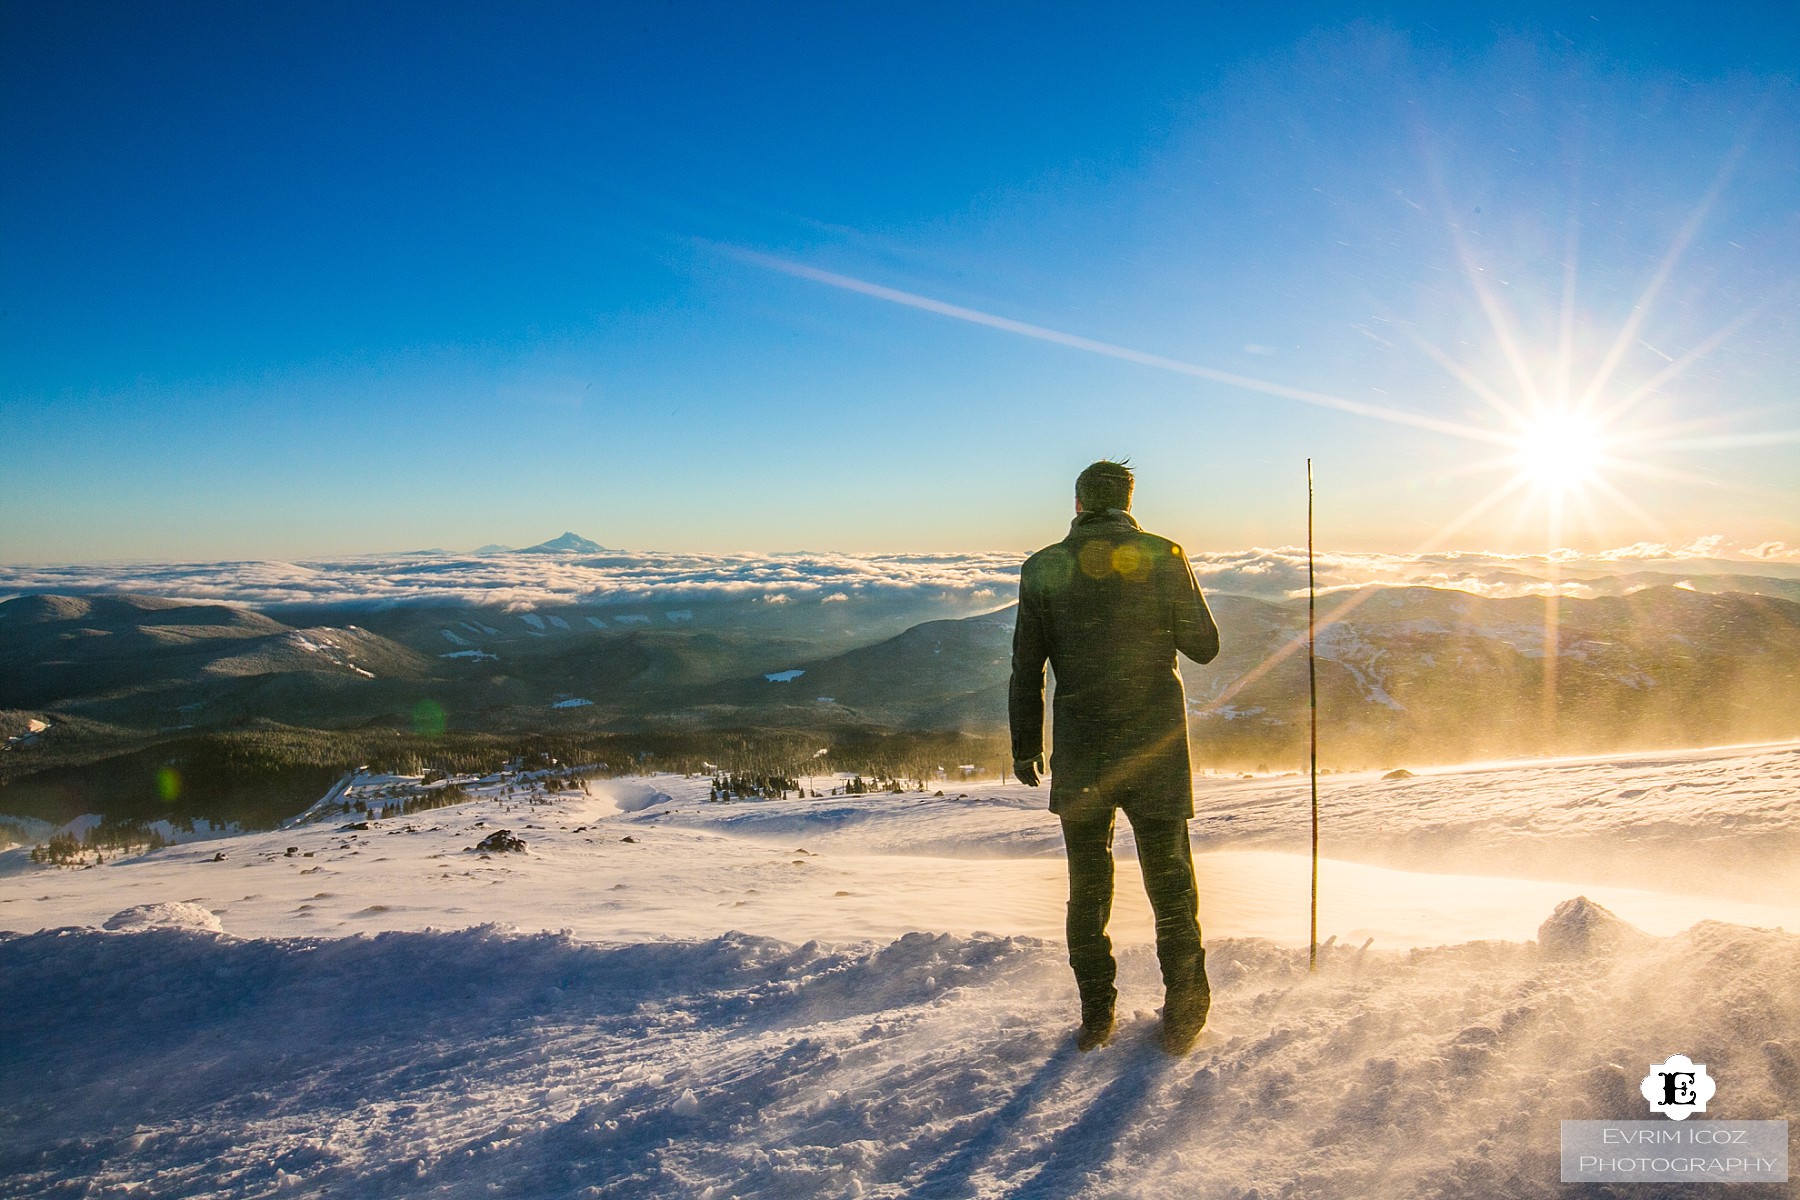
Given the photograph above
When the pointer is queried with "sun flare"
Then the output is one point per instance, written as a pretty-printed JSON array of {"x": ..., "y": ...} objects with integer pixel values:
[{"x": 1560, "y": 451}]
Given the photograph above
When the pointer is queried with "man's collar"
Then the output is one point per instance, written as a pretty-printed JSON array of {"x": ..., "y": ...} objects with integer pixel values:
[{"x": 1106, "y": 516}]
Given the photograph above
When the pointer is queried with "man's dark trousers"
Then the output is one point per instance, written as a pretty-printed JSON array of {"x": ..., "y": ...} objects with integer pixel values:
[{"x": 1168, "y": 866}]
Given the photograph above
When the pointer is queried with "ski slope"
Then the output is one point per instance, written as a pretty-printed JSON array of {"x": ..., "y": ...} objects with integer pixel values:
[{"x": 865, "y": 995}]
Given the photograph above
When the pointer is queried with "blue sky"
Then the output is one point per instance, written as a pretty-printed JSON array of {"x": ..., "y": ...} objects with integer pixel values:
[{"x": 303, "y": 279}]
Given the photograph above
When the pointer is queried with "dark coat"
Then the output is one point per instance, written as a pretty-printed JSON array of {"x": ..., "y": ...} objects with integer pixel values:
[{"x": 1108, "y": 607}]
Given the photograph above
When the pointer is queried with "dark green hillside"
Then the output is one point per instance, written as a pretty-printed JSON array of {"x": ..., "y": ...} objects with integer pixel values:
[
  {"x": 1405, "y": 675},
  {"x": 148, "y": 663},
  {"x": 56, "y": 647},
  {"x": 1418, "y": 674},
  {"x": 890, "y": 683},
  {"x": 1431, "y": 675},
  {"x": 825, "y": 626}
]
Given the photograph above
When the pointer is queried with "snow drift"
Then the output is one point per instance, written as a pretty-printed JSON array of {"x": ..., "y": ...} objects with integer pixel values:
[
  {"x": 332, "y": 1009},
  {"x": 182, "y": 1062}
]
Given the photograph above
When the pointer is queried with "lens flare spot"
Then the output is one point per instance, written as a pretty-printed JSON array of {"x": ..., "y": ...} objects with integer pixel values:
[
  {"x": 428, "y": 718},
  {"x": 1130, "y": 562},
  {"x": 168, "y": 784},
  {"x": 1096, "y": 559}
]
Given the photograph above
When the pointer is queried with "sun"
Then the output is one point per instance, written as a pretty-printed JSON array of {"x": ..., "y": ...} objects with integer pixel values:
[{"x": 1559, "y": 452}]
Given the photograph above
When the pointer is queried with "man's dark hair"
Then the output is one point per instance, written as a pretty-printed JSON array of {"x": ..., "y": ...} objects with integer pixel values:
[{"x": 1103, "y": 485}]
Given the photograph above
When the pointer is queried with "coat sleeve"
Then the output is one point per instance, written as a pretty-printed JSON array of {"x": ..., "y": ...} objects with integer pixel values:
[
  {"x": 1196, "y": 635},
  {"x": 1025, "y": 694}
]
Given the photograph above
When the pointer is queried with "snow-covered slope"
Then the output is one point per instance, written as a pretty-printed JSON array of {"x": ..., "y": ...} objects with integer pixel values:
[{"x": 662, "y": 996}]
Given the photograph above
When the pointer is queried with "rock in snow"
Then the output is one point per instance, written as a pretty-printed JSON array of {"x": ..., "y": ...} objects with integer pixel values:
[
  {"x": 501, "y": 841},
  {"x": 1579, "y": 928}
]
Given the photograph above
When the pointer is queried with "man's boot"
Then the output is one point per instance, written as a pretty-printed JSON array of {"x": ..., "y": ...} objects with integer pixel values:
[
  {"x": 1096, "y": 1021},
  {"x": 1185, "y": 1006}
]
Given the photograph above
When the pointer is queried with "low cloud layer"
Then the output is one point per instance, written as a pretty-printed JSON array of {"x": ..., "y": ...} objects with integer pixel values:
[
  {"x": 1281, "y": 572},
  {"x": 529, "y": 580},
  {"x": 520, "y": 581}
]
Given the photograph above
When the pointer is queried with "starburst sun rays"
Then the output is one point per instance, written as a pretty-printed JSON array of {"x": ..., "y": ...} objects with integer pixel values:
[{"x": 1558, "y": 452}]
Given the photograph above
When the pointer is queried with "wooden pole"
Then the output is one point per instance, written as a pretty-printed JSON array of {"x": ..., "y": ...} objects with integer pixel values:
[{"x": 1312, "y": 702}]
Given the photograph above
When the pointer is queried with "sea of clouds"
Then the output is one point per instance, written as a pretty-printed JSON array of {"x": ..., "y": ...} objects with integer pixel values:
[
  {"x": 526, "y": 580},
  {"x": 1281, "y": 573}
]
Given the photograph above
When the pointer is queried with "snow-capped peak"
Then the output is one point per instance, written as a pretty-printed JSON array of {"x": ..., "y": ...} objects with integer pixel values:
[{"x": 568, "y": 542}]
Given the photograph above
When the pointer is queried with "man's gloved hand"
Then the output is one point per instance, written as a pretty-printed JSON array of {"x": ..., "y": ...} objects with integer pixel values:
[{"x": 1027, "y": 769}]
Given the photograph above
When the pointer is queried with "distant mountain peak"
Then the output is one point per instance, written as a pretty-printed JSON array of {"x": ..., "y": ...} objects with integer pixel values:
[{"x": 568, "y": 542}]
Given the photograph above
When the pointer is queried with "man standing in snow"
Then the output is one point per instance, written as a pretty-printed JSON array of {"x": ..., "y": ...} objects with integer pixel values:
[{"x": 1108, "y": 607}]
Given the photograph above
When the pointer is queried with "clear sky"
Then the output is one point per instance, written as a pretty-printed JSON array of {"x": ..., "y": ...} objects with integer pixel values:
[{"x": 291, "y": 279}]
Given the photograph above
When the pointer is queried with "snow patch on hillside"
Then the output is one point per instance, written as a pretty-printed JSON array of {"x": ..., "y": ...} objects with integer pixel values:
[{"x": 1344, "y": 645}]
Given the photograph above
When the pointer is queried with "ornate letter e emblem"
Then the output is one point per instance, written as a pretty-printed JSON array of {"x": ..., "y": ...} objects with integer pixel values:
[{"x": 1678, "y": 1087}]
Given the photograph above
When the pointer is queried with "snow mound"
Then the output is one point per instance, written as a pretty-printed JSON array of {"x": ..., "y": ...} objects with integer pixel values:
[
  {"x": 1579, "y": 929},
  {"x": 176, "y": 914},
  {"x": 631, "y": 795}
]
